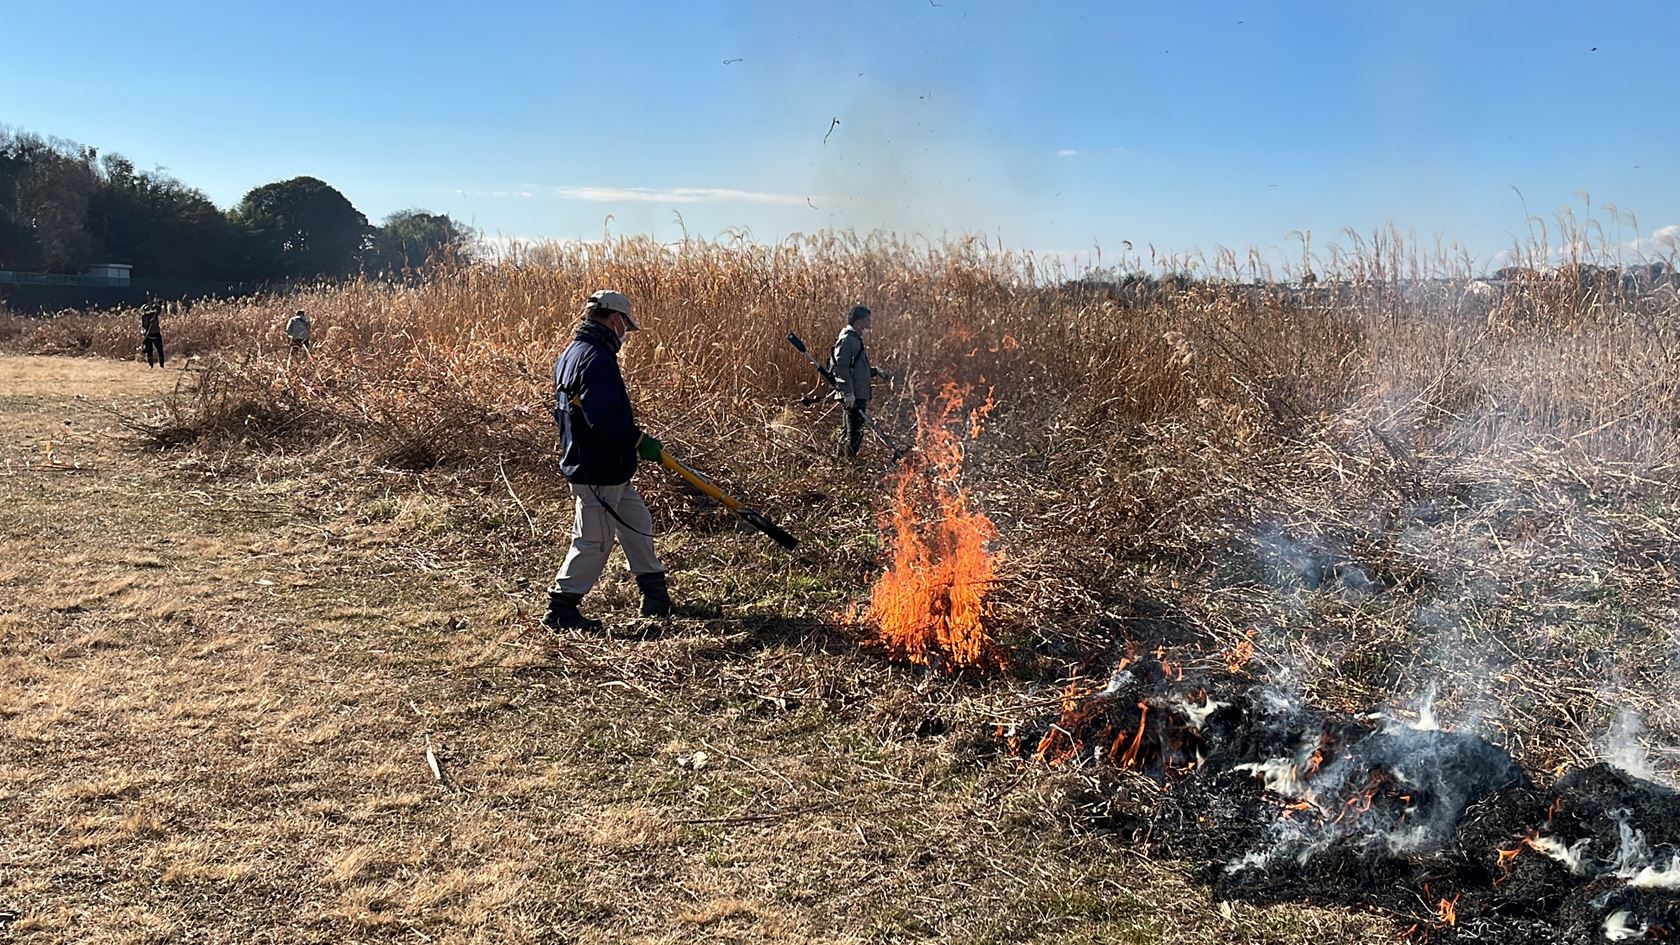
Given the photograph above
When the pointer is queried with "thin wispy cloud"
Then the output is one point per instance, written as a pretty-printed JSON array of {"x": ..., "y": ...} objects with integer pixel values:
[
  {"x": 679, "y": 195},
  {"x": 1075, "y": 152}
]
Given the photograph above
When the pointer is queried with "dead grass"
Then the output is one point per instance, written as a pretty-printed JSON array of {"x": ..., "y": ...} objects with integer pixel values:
[{"x": 254, "y": 761}]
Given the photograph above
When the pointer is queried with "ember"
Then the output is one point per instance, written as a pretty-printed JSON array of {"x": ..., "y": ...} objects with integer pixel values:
[
  {"x": 930, "y": 605},
  {"x": 1281, "y": 802}
]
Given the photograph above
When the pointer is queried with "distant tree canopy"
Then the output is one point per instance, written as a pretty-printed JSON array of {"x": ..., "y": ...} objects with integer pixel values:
[
  {"x": 45, "y": 188},
  {"x": 161, "y": 227},
  {"x": 63, "y": 208},
  {"x": 411, "y": 238},
  {"x": 307, "y": 226}
]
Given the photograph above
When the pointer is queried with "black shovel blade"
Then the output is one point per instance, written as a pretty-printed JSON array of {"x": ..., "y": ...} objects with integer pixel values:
[{"x": 758, "y": 521}]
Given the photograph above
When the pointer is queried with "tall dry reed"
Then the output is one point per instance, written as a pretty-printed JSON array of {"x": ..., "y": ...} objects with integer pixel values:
[{"x": 1177, "y": 419}]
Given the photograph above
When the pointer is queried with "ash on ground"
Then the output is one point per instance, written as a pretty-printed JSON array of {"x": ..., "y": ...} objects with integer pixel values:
[{"x": 1276, "y": 801}]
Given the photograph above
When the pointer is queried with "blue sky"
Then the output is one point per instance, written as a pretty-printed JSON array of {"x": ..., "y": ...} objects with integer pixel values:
[{"x": 1056, "y": 127}]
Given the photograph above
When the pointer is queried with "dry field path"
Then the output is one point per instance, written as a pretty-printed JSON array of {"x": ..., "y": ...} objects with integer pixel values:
[{"x": 222, "y": 697}]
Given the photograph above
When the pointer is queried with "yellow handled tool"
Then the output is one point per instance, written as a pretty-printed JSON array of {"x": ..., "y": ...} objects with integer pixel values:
[{"x": 754, "y": 518}]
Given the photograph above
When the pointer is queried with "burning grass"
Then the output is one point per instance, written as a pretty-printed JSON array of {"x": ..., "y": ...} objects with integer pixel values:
[
  {"x": 930, "y": 604},
  {"x": 1440, "y": 830}
]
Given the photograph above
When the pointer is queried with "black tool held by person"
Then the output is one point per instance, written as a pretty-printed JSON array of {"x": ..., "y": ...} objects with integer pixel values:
[{"x": 798, "y": 343}]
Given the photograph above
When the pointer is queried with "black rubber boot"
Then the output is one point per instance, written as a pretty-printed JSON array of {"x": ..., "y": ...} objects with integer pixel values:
[
  {"x": 563, "y": 614},
  {"x": 656, "y": 600}
]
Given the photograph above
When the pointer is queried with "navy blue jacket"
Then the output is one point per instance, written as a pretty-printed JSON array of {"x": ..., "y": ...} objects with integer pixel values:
[{"x": 598, "y": 433}]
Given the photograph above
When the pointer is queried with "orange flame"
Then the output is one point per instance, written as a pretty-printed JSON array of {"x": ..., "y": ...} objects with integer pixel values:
[
  {"x": 976, "y": 420},
  {"x": 1506, "y": 857},
  {"x": 1317, "y": 760},
  {"x": 1360, "y": 804},
  {"x": 1447, "y": 911},
  {"x": 930, "y": 605},
  {"x": 1237, "y": 658},
  {"x": 1061, "y": 741},
  {"x": 1130, "y": 758}
]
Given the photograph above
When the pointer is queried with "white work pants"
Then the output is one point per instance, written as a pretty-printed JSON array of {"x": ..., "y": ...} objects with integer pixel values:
[{"x": 593, "y": 531}]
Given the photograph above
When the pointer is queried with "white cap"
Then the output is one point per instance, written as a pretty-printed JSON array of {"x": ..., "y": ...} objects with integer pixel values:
[{"x": 611, "y": 301}]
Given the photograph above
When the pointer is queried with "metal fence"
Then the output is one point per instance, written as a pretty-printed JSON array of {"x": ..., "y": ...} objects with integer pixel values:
[
  {"x": 36, "y": 296},
  {"x": 53, "y": 278}
]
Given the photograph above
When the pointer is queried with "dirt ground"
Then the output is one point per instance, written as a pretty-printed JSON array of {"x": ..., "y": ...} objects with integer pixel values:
[{"x": 235, "y": 707}]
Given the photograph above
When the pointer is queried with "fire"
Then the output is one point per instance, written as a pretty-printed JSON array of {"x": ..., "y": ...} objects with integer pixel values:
[
  {"x": 930, "y": 605},
  {"x": 1290, "y": 810},
  {"x": 1131, "y": 756},
  {"x": 1060, "y": 742},
  {"x": 1238, "y": 656},
  {"x": 1325, "y": 742},
  {"x": 1447, "y": 910},
  {"x": 1529, "y": 842},
  {"x": 1361, "y": 803},
  {"x": 977, "y": 419}
]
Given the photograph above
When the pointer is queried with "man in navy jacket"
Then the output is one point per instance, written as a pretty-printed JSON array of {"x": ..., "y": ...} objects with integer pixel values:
[{"x": 600, "y": 444}]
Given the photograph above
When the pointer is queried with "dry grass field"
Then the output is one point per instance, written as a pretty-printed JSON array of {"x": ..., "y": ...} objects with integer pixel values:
[
  {"x": 221, "y": 690},
  {"x": 245, "y": 600}
]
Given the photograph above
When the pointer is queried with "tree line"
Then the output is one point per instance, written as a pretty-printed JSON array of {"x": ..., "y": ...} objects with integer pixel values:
[{"x": 64, "y": 207}]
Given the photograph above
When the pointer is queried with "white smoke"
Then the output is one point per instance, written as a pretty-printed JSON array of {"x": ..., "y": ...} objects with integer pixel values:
[
  {"x": 1619, "y": 927},
  {"x": 1624, "y": 748},
  {"x": 1569, "y": 855},
  {"x": 1653, "y": 877}
]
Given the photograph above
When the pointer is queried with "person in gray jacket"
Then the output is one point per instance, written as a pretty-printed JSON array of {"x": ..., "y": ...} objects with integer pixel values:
[
  {"x": 297, "y": 329},
  {"x": 852, "y": 374}
]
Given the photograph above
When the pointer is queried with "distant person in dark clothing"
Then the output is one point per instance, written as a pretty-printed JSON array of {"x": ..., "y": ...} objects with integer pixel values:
[{"x": 151, "y": 331}]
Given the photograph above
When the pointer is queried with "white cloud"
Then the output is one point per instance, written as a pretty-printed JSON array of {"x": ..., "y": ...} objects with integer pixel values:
[
  {"x": 678, "y": 195},
  {"x": 1075, "y": 152},
  {"x": 1664, "y": 241}
]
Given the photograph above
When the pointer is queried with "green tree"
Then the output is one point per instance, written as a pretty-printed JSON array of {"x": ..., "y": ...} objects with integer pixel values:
[
  {"x": 161, "y": 226},
  {"x": 17, "y": 242},
  {"x": 45, "y": 188},
  {"x": 411, "y": 238},
  {"x": 304, "y": 227}
]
